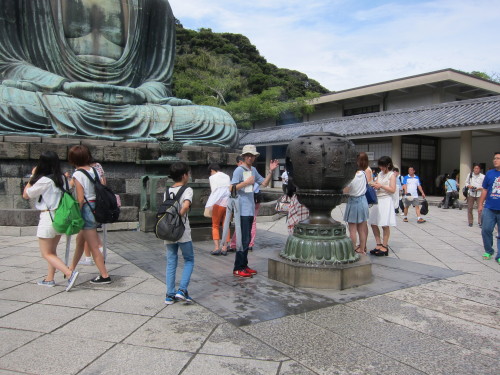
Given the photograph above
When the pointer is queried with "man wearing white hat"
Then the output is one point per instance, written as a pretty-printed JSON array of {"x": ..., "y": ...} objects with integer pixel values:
[{"x": 244, "y": 177}]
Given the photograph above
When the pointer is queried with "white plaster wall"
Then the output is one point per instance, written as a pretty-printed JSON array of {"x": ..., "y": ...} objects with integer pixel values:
[
  {"x": 325, "y": 113},
  {"x": 482, "y": 152},
  {"x": 483, "y": 149},
  {"x": 409, "y": 101}
]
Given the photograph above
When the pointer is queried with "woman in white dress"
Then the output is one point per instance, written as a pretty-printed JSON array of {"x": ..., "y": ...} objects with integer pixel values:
[{"x": 382, "y": 214}]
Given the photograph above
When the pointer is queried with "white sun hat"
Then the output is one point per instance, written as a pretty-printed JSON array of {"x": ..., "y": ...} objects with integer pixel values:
[{"x": 249, "y": 149}]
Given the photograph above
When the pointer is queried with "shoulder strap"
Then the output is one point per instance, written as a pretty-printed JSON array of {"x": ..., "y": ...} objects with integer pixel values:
[
  {"x": 88, "y": 174},
  {"x": 180, "y": 192},
  {"x": 92, "y": 180},
  {"x": 97, "y": 176},
  {"x": 65, "y": 189},
  {"x": 177, "y": 196}
]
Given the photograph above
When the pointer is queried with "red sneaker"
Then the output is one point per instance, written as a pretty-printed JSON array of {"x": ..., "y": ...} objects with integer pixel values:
[
  {"x": 242, "y": 273},
  {"x": 250, "y": 271}
]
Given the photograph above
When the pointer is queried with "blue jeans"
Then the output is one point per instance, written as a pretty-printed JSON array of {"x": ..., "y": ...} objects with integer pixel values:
[
  {"x": 241, "y": 258},
  {"x": 489, "y": 219},
  {"x": 188, "y": 255}
]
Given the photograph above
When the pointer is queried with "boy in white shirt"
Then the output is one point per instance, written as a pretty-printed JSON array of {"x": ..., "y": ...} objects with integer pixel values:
[{"x": 179, "y": 172}]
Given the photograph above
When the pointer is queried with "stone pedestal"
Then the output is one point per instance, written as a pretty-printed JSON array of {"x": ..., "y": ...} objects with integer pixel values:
[{"x": 302, "y": 275}]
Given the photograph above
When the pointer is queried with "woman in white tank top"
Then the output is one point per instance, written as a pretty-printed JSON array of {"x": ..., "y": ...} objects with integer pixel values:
[
  {"x": 79, "y": 157},
  {"x": 356, "y": 212}
]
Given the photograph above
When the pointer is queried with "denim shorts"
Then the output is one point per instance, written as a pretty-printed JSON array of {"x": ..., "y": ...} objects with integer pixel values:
[{"x": 88, "y": 216}]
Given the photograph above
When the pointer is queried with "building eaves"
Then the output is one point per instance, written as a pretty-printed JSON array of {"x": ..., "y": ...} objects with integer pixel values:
[
  {"x": 466, "y": 113},
  {"x": 411, "y": 81}
]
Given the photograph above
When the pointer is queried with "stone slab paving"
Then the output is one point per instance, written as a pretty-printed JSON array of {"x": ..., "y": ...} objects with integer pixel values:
[{"x": 433, "y": 308}]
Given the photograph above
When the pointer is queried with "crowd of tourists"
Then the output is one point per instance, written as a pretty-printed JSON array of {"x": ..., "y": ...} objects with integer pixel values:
[{"x": 237, "y": 198}]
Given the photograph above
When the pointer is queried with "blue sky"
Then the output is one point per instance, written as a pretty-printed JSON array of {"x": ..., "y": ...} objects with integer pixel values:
[{"x": 345, "y": 44}]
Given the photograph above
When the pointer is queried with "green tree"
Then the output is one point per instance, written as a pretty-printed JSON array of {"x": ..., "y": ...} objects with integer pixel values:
[
  {"x": 207, "y": 78},
  {"x": 268, "y": 104},
  {"x": 226, "y": 70},
  {"x": 495, "y": 77}
]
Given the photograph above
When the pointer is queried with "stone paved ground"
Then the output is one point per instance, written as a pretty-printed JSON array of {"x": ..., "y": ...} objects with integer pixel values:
[{"x": 433, "y": 308}]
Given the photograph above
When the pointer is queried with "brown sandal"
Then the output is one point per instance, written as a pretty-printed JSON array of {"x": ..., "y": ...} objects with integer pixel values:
[{"x": 359, "y": 251}]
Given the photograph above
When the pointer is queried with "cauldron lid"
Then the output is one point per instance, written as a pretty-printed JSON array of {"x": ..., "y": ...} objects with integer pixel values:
[{"x": 321, "y": 134}]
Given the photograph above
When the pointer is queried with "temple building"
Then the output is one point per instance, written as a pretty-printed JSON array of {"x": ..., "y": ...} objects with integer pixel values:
[{"x": 435, "y": 122}]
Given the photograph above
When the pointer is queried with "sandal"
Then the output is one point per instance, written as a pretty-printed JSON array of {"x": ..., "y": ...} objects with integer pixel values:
[
  {"x": 359, "y": 251},
  {"x": 376, "y": 248},
  {"x": 380, "y": 253},
  {"x": 216, "y": 252}
]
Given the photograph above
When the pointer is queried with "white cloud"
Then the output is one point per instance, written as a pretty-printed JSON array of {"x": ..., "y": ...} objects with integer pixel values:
[{"x": 345, "y": 44}]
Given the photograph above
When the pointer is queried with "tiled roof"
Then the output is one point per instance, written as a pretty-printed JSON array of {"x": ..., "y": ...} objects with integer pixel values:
[{"x": 459, "y": 114}]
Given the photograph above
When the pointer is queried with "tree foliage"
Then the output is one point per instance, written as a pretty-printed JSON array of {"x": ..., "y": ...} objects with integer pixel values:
[
  {"x": 494, "y": 77},
  {"x": 226, "y": 70}
]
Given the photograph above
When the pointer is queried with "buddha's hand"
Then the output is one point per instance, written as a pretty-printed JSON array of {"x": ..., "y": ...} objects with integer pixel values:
[
  {"x": 27, "y": 85},
  {"x": 104, "y": 94},
  {"x": 175, "y": 101}
]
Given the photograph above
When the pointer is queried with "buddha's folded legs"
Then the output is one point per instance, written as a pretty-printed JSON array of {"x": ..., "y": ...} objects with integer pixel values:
[
  {"x": 58, "y": 113},
  {"x": 196, "y": 124}
]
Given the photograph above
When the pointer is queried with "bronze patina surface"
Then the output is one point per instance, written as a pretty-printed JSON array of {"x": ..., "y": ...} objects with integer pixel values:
[
  {"x": 98, "y": 68},
  {"x": 321, "y": 165}
]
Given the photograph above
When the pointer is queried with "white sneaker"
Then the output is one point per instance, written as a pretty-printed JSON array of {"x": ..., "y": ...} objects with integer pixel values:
[
  {"x": 402, "y": 214},
  {"x": 86, "y": 262}
]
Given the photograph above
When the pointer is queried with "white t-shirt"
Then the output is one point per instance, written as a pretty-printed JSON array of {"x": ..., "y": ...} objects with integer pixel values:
[
  {"x": 357, "y": 187},
  {"x": 412, "y": 184},
  {"x": 51, "y": 195},
  {"x": 88, "y": 186},
  {"x": 187, "y": 195}
]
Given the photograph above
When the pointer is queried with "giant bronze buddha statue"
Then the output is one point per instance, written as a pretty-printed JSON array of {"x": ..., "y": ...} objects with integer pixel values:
[{"x": 100, "y": 68}]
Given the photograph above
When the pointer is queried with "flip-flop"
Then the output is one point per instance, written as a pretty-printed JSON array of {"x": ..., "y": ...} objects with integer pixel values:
[{"x": 216, "y": 252}]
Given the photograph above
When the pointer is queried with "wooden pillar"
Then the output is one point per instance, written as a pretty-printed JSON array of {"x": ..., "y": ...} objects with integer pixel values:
[{"x": 397, "y": 142}]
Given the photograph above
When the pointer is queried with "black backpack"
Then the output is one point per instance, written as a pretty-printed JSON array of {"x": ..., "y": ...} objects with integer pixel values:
[
  {"x": 169, "y": 225},
  {"x": 106, "y": 206}
]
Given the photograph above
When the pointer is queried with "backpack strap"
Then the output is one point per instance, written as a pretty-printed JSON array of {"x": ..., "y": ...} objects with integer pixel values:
[
  {"x": 40, "y": 199},
  {"x": 88, "y": 174},
  {"x": 94, "y": 181},
  {"x": 178, "y": 196},
  {"x": 179, "y": 193}
]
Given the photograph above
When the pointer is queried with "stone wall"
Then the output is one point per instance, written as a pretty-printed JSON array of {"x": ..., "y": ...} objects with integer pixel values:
[{"x": 124, "y": 164}]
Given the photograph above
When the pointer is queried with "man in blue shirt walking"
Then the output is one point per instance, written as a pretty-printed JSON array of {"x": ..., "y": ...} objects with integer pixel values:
[
  {"x": 244, "y": 177},
  {"x": 451, "y": 191},
  {"x": 491, "y": 210}
]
